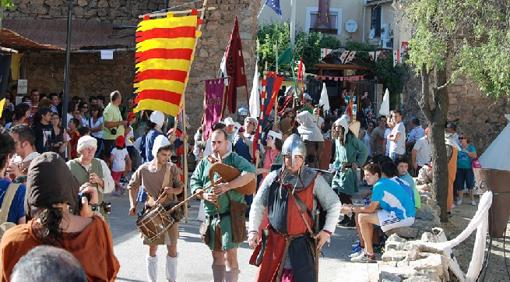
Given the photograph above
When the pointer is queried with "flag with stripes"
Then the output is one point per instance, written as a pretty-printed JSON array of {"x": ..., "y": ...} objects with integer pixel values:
[
  {"x": 164, "y": 54},
  {"x": 275, "y": 5}
]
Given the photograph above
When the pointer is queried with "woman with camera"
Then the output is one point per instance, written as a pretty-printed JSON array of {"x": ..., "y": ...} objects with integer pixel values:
[
  {"x": 92, "y": 171},
  {"x": 53, "y": 205}
]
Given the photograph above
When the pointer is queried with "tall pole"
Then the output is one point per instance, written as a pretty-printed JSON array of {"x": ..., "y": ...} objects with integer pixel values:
[
  {"x": 293, "y": 5},
  {"x": 67, "y": 67}
]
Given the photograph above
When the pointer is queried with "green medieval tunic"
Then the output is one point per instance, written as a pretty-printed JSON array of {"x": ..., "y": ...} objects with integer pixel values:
[
  {"x": 220, "y": 217},
  {"x": 353, "y": 151}
]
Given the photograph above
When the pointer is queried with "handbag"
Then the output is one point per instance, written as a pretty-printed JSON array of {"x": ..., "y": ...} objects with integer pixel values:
[{"x": 475, "y": 163}]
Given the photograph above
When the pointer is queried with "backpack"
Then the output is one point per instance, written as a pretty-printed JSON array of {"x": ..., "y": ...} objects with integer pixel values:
[{"x": 6, "y": 206}]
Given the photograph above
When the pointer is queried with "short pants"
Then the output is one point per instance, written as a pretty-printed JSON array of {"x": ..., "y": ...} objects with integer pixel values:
[{"x": 389, "y": 220}]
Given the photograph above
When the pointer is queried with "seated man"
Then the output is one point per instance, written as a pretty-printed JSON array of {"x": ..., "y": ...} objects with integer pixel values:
[{"x": 391, "y": 207}]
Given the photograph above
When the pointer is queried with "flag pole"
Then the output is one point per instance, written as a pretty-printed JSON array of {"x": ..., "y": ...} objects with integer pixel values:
[
  {"x": 293, "y": 22},
  {"x": 276, "y": 102},
  {"x": 184, "y": 130}
]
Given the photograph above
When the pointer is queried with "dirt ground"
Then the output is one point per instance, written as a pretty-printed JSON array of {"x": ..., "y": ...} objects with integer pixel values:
[{"x": 497, "y": 269}]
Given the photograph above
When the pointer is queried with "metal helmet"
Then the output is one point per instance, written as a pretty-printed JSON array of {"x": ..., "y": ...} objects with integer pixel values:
[
  {"x": 294, "y": 146},
  {"x": 242, "y": 113}
]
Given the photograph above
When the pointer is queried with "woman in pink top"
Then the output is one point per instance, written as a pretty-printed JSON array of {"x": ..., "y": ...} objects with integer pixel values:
[{"x": 272, "y": 155}]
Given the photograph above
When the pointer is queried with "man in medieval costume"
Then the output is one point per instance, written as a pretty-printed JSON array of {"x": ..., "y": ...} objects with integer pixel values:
[
  {"x": 221, "y": 230},
  {"x": 89, "y": 170},
  {"x": 160, "y": 178},
  {"x": 294, "y": 238},
  {"x": 350, "y": 153}
]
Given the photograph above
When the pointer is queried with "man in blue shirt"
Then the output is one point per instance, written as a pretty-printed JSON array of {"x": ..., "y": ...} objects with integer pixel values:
[
  {"x": 391, "y": 207},
  {"x": 17, "y": 209}
]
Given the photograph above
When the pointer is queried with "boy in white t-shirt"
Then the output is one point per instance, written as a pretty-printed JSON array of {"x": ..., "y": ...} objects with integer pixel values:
[{"x": 120, "y": 160}]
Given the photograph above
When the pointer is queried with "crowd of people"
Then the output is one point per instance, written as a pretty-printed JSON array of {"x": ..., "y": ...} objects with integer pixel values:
[{"x": 309, "y": 168}]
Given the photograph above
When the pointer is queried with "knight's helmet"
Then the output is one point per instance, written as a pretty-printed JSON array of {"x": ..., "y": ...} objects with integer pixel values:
[
  {"x": 294, "y": 146},
  {"x": 242, "y": 113}
]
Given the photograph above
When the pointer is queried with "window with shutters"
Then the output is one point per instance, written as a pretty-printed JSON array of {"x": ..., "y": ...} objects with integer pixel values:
[
  {"x": 335, "y": 21},
  {"x": 375, "y": 22}
]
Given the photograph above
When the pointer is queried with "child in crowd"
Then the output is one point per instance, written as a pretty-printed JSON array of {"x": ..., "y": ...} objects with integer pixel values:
[{"x": 120, "y": 163}]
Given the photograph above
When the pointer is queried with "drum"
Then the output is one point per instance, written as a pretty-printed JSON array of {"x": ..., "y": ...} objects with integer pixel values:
[{"x": 155, "y": 222}]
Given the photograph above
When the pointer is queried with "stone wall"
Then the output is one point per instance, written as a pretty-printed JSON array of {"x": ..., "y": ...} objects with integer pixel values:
[
  {"x": 89, "y": 76},
  {"x": 121, "y": 12},
  {"x": 478, "y": 116}
]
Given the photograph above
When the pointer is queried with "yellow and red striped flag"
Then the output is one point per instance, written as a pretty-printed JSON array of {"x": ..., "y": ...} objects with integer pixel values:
[{"x": 164, "y": 53}]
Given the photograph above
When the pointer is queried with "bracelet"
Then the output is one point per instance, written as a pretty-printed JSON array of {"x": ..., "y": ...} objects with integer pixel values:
[{"x": 327, "y": 231}]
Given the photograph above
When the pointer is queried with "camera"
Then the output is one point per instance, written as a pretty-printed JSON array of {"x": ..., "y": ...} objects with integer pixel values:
[
  {"x": 113, "y": 131},
  {"x": 81, "y": 195}
]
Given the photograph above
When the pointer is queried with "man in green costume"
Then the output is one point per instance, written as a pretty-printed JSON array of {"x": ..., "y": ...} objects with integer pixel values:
[
  {"x": 350, "y": 153},
  {"x": 217, "y": 206}
]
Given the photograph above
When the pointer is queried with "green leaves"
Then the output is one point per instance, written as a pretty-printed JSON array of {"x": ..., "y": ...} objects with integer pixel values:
[
  {"x": 6, "y": 4},
  {"x": 473, "y": 36},
  {"x": 308, "y": 46}
]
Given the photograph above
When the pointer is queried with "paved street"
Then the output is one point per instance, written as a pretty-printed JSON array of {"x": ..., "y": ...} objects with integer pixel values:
[{"x": 195, "y": 259}]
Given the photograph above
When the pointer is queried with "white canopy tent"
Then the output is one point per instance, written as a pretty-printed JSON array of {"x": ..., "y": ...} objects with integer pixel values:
[{"x": 497, "y": 155}]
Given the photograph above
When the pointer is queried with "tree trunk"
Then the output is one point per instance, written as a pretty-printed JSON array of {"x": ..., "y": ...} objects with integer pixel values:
[{"x": 436, "y": 110}]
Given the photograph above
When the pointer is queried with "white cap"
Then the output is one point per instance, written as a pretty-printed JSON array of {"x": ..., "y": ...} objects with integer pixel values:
[
  {"x": 86, "y": 141},
  {"x": 229, "y": 121},
  {"x": 158, "y": 118},
  {"x": 275, "y": 135},
  {"x": 159, "y": 142}
]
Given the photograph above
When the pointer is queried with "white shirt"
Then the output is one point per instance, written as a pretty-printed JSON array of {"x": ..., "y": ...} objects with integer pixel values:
[
  {"x": 423, "y": 151},
  {"x": 386, "y": 134},
  {"x": 119, "y": 159},
  {"x": 399, "y": 146},
  {"x": 130, "y": 137},
  {"x": 109, "y": 184},
  {"x": 97, "y": 123}
]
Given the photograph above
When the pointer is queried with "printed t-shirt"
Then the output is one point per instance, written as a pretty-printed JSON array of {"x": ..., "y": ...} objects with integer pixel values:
[{"x": 393, "y": 198}]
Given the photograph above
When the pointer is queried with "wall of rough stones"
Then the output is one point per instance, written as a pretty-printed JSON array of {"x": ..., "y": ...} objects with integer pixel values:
[
  {"x": 92, "y": 77},
  {"x": 480, "y": 117}
]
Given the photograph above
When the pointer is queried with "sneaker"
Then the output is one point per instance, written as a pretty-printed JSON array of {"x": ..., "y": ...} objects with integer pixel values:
[
  {"x": 473, "y": 203},
  {"x": 356, "y": 249},
  {"x": 364, "y": 258},
  {"x": 459, "y": 202},
  {"x": 357, "y": 254}
]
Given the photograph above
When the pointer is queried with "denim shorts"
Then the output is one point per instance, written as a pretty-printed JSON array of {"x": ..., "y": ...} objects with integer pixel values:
[{"x": 464, "y": 176}]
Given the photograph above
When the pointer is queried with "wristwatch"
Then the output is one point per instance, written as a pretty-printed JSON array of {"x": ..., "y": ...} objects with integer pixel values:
[{"x": 94, "y": 207}]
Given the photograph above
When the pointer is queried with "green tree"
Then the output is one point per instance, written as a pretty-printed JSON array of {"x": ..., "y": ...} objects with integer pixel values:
[
  {"x": 4, "y": 4},
  {"x": 452, "y": 38},
  {"x": 308, "y": 45}
]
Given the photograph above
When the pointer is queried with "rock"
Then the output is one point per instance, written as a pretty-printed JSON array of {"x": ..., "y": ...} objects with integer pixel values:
[
  {"x": 102, "y": 4},
  {"x": 394, "y": 255},
  {"x": 388, "y": 276},
  {"x": 79, "y": 12},
  {"x": 434, "y": 263},
  {"x": 82, "y": 3},
  {"x": 428, "y": 237},
  {"x": 395, "y": 238},
  {"x": 406, "y": 232}
]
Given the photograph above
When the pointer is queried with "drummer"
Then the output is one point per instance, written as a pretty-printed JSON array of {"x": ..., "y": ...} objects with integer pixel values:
[
  {"x": 217, "y": 230},
  {"x": 158, "y": 176}
]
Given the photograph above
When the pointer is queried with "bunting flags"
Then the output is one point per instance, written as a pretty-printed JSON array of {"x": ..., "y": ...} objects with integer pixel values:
[
  {"x": 341, "y": 78},
  {"x": 213, "y": 104},
  {"x": 325, "y": 52},
  {"x": 232, "y": 66},
  {"x": 164, "y": 54}
]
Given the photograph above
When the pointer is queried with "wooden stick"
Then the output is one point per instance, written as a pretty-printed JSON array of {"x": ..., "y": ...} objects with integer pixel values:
[{"x": 163, "y": 14}]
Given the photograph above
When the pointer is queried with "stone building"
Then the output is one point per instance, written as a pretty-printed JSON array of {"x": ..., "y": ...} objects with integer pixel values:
[{"x": 110, "y": 25}]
